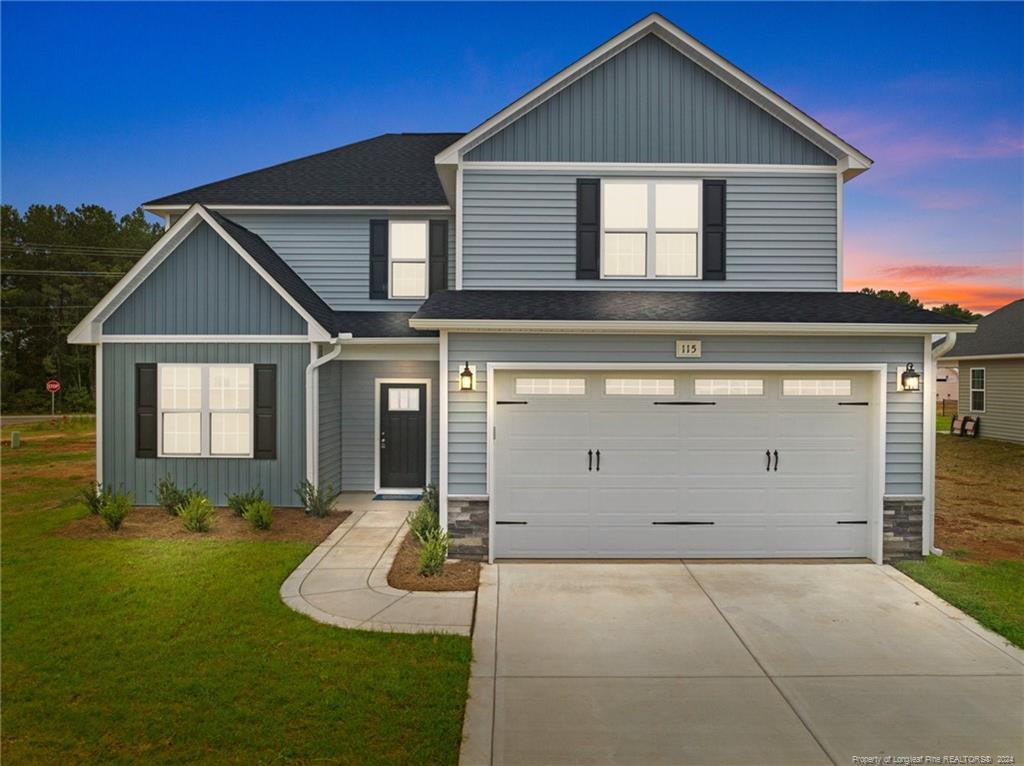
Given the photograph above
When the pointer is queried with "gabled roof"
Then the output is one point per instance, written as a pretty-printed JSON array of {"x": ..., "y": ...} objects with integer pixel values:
[
  {"x": 378, "y": 324},
  {"x": 253, "y": 250},
  {"x": 391, "y": 170},
  {"x": 1001, "y": 333},
  {"x": 632, "y": 309},
  {"x": 851, "y": 160}
]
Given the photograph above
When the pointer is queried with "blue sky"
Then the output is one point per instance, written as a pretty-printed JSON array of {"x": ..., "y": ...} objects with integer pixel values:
[{"x": 119, "y": 103}]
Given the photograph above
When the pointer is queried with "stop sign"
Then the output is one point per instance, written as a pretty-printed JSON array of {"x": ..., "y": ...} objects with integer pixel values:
[{"x": 53, "y": 386}]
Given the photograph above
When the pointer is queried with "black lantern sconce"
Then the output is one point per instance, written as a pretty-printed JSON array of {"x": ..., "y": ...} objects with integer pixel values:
[
  {"x": 466, "y": 379},
  {"x": 910, "y": 380}
]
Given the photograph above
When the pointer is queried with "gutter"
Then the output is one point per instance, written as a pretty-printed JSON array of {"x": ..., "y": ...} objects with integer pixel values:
[
  {"x": 937, "y": 353},
  {"x": 312, "y": 402}
]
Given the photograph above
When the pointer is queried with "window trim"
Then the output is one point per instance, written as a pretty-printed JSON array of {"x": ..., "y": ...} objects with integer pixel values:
[
  {"x": 651, "y": 231},
  {"x": 205, "y": 412},
  {"x": 392, "y": 260},
  {"x": 982, "y": 390}
]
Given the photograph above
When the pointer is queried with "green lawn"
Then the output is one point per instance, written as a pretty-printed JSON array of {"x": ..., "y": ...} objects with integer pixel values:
[
  {"x": 942, "y": 423},
  {"x": 992, "y": 593},
  {"x": 144, "y": 651}
]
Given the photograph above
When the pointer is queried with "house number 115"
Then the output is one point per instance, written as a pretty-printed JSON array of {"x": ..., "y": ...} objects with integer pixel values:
[{"x": 688, "y": 348}]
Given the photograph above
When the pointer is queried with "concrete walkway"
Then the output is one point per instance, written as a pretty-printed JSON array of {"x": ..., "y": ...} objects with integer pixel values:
[
  {"x": 343, "y": 581},
  {"x": 693, "y": 663}
]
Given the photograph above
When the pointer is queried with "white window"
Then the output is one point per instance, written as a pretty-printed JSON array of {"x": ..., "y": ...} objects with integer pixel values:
[
  {"x": 553, "y": 386},
  {"x": 829, "y": 387},
  {"x": 728, "y": 387},
  {"x": 977, "y": 389},
  {"x": 404, "y": 399},
  {"x": 651, "y": 229},
  {"x": 407, "y": 258},
  {"x": 639, "y": 386},
  {"x": 205, "y": 410}
]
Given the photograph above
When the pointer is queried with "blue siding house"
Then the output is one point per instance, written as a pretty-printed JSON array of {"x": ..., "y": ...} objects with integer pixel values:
[{"x": 607, "y": 322}]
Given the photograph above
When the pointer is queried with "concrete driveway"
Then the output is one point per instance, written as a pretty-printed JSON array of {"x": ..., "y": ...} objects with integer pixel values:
[{"x": 692, "y": 663}]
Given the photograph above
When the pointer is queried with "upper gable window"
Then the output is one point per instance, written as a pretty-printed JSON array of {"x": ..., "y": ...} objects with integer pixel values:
[
  {"x": 407, "y": 259},
  {"x": 651, "y": 229}
]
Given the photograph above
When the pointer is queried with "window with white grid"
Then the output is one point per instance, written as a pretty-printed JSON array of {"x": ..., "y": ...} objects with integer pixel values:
[
  {"x": 205, "y": 410},
  {"x": 230, "y": 405},
  {"x": 181, "y": 402},
  {"x": 407, "y": 251},
  {"x": 728, "y": 387},
  {"x": 552, "y": 386},
  {"x": 639, "y": 386},
  {"x": 818, "y": 387}
]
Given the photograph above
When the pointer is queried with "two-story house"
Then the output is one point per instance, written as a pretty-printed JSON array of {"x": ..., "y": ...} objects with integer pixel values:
[{"x": 607, "y": 321}]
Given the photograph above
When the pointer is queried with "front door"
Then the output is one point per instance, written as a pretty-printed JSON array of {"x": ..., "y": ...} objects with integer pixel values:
[{"x": 403, "y": 435}]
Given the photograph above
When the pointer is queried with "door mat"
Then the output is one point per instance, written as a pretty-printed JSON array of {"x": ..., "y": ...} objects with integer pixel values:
[{"x": 398, "y": 497}]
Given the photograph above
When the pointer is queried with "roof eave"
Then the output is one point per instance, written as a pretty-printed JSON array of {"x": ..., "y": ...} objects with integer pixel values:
[{"x": 656, "y": 327}]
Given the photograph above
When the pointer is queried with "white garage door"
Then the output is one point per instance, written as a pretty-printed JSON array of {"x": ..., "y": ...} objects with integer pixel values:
[{"x": 658, "y": 464}]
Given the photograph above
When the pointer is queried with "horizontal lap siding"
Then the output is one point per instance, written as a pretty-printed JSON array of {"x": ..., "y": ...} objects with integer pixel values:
[
  {"x": 203, "y": 287},
  {"x": 329, "y": 433},
  {"x": 330, "y": 251},
  {"x": 649, "y": 103},
  {"x": 1003, "y": 417},
  {"x": 215, "y": 476},
  {"x": 467, "y": 412},
  {"x": 358, "y": 393},
  {"x": 519, "y": 232}
]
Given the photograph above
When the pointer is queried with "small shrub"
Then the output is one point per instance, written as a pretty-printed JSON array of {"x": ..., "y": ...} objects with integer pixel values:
[
  {"x": 423, "y": 520},
  {"x": 171, "y": 497},
  {"x": 433, "y": 552},
  {"x": 239, "y": 502},
  {"x": 430, "y": 498},
  {"x": 113, "y": 509},
  {"x": 259, "y": 513},
  {"x": 93, "y": 496},
  {"x": 196, "y": 514},
  {"x": 316, "y": 500}
]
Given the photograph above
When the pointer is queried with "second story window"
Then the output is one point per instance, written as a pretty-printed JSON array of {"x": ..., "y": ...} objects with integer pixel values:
[
  {"x": 407, "y": 259},
  {"x": 651, "y": 229}
]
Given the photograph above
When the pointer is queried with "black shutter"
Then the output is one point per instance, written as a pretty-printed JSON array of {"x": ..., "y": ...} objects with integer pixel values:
[
  {"x": 378, "y": 259},
  {"x": 588, "y": 228},
  {"x": 145, "y": 410},
  {"x": 264, "y": 412},
  {"x": 438, "y": 256},
  {"x": 714, "y": 230}
]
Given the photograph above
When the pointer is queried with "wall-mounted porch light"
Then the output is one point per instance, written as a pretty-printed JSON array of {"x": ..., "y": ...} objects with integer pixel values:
[
  {"x": 910, "y": 380},
  {"x": 466, "y": 379}
]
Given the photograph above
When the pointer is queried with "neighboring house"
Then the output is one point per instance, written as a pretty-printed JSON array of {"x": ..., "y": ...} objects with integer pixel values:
[
  {"x": 947, "y": 385},
  {"x": 991, "y": 366},
  {"x": 638, "y": 265}
]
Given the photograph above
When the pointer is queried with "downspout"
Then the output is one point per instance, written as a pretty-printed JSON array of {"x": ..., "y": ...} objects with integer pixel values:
[
  {"x": 932, "y": 370},
  {"x": 312, "y": 406}
]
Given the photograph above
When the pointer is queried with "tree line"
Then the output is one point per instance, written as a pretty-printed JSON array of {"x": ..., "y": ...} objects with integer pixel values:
[{"x": 55, "y": 265}]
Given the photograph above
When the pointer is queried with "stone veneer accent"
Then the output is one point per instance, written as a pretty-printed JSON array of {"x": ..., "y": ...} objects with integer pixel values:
[
  {"x": 467, "y": 528},
  {"x": 902, "y": 525}
]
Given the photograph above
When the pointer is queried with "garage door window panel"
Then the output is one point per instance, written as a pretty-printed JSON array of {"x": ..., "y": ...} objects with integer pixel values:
[
  {"x": 552, "y": 386},
  {"x": 728, "y": 387},
  {"x": 817, "y": 387},
  {"x": 639, "y": 387}
]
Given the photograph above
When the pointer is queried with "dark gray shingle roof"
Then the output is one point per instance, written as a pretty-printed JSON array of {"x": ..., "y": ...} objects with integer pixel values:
[
  {"x": 1001, "y": 332},
  {"x": 692, "y": 306},
  {"x": 391, "y": 169},
  {"x": 378, "y": 324}
]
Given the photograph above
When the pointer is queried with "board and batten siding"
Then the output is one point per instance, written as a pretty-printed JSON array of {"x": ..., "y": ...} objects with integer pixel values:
[
  {"x": 330, "y": 251},
  {"x": 649, "y": 103},
  {"x": 217, "y": 477},
  {"x": 329, "y": 428},
  {"x": 358, "y": 429},
  {"x": 1003, "y": 417},
  {"x": 519, "y": 232},
  {"x": 203, "y": 287},
  {"x": 467, "y": 411}
]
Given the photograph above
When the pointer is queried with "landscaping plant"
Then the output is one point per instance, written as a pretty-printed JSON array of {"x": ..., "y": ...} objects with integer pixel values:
[
  {"x": 113, "y": 508},
  {"x": 196, "y": 514},
  {"x": 433, "y": 551},
  {"x": 240, "y": 501},
  {"x": 259, "y": 513},
  {"x": 316, "y": 500},
  {"x": 425, "y": 518},
  {"x": 171, "y": 497},
  {"x": 93, "y": 497}
]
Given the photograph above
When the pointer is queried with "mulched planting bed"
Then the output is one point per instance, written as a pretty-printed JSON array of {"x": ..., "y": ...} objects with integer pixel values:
[
  {"x": 292, "y": 524},
  {"x": 404, "y": 574}
]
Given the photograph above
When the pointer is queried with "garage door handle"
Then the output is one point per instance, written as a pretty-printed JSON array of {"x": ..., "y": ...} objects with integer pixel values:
[
  {"x": 590, "y": 460},
  {"x": 599, "y": 460},
  {"x": 768, "y": 456},
  {"x": 851, "y": 522},
  {"x": 776, "y": 460}
]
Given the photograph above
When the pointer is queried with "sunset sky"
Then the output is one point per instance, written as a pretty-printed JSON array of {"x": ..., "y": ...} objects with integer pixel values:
[{"x": 117, "y": 103}]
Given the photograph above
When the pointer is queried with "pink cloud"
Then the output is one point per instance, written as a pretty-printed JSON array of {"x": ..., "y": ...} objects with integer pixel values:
[{"x": 944, "y": 271}]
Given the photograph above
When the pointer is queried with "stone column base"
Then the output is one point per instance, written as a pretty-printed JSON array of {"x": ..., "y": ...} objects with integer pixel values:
[
  {"x": 468, "y": 525},
  {"x": 902, "y": 528}
]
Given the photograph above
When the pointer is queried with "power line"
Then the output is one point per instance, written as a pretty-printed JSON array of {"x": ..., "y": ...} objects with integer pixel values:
[
  {"x": 66, "y": 252},
  {"x": 43, "y": 308},
  {"x": 40, "y": 272},
  {"x": 75, "y": 246}
]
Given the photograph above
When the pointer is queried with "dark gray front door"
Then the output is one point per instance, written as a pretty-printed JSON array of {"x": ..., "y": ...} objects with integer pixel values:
[{"x": 403, "y": 435}]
